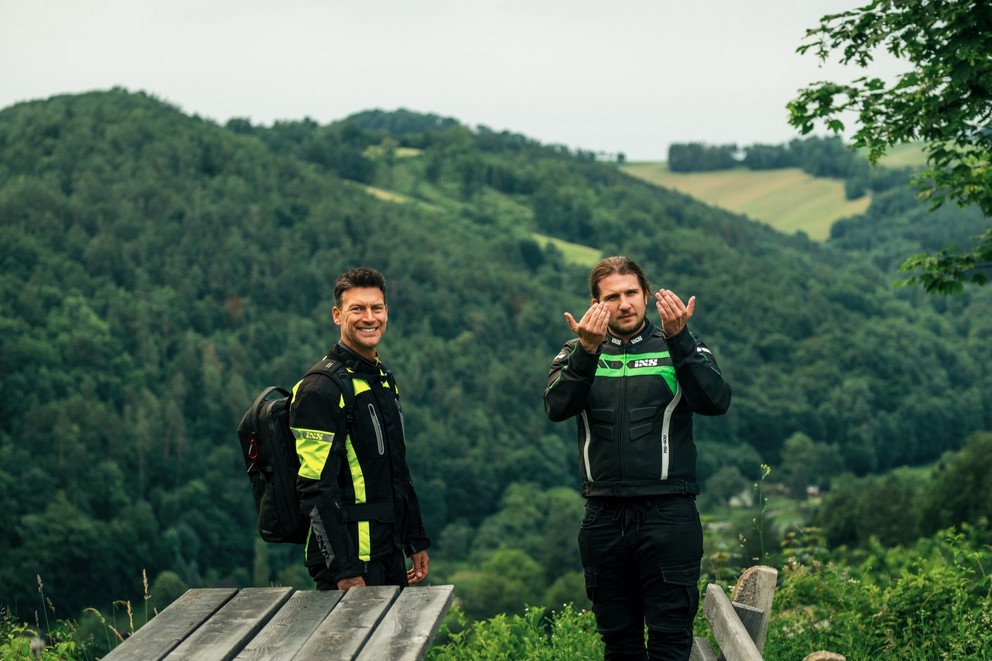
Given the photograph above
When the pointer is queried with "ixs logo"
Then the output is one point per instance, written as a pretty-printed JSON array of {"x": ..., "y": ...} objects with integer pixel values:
[{"x": 644, "y": 362}]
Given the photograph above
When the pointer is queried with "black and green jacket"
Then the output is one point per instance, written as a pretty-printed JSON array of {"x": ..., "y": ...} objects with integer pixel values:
[
  {"x": 355, "y": 485},
  {"x": 633, "y": 402}
]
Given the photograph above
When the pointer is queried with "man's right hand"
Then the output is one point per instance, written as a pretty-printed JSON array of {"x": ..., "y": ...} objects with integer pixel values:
[
  {"x": 591, "y": 329},
  {"x": 353, "y": 582}
]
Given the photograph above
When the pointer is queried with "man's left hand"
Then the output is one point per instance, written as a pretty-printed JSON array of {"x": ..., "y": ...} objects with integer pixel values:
[
  {"x": 674, "y": 315},
  {"x": 420, "y": 569}
]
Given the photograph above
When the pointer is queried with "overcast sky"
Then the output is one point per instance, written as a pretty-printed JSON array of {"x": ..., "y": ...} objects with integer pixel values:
[{"x": 627, "y": 76}]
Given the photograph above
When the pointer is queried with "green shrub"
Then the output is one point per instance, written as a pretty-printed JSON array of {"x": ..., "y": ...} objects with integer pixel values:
[{"x": 534, "y": 636}]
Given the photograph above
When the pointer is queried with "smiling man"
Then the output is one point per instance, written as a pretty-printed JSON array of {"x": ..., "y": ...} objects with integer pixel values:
[
  {"x": 633, "y": 388},
  {"x": 354, "y": 482}
]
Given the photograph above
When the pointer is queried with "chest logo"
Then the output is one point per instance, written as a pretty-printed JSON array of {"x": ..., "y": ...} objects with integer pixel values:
[{"x": 644, "y": 362}]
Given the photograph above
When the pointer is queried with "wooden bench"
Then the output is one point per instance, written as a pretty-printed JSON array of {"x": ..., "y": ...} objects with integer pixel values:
[
  {"x": 284, "y": 623},
  {"x": 740, "y": 623}
]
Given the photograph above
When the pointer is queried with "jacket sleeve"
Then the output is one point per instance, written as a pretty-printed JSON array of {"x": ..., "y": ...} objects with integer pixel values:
[
  {"x": 414, "y": 536},
  {"x": 572, "y": 373},
  {"x": 316, "y": 418},
  {"x": 698, "y": 374}
]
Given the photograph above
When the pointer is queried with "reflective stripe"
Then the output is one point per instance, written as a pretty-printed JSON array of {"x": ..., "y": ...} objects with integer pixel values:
[
  {"x": 364, "y": 541},
  {"x": 379, "y": 440},
  {"x": 666, "y": 425},
  {"x": 312, "y": 448},
  {"x": 357, "y": 477},
  {"x": 586, "y": 440},
  {"x": 360, "y": 386},
  {"x": 358, "y": 481}
]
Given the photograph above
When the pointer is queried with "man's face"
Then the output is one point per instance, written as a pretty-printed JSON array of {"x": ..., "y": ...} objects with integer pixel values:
[
  {"x": 627, "y": 302},
  {"x": 362, "y": 318}
]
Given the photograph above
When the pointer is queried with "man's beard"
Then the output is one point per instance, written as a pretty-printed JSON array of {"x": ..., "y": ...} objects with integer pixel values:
[{"x": 631, "y": 326}]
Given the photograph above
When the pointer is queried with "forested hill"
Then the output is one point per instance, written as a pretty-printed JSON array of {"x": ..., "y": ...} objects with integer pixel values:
[{"x": 159, "y": 269}]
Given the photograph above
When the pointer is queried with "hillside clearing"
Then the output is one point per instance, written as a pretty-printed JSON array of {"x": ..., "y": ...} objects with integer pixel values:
[
  {"x": 573, "y": 252},
  {"x": 789, "y": 200}
]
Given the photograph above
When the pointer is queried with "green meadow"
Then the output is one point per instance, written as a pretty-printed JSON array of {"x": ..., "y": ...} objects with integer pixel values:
[{"x": 789, "y": 200}]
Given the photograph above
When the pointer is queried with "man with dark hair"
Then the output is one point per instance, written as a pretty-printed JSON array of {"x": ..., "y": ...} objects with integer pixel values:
[
  {"x": 354, "y": 482},
  {"x": 633, "y": 388}
]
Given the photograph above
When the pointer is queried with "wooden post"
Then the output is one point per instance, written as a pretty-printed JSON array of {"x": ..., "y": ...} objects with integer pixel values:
[
  {"x": 756, "y": 588},
  {"x": 701, "y": 650},
  {"x": 734, "y": 640}
]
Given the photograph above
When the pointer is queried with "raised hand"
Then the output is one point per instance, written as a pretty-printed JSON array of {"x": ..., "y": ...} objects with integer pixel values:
[
  {"x": 591, "y": 328},
  {"x": 674, "y": 314}
]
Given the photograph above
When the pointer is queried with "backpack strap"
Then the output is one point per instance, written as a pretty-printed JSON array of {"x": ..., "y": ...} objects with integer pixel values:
[{"x": 336, "y": 371}]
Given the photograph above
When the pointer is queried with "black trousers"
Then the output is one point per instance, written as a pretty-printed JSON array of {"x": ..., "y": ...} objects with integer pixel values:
[
  {"x": 641, "y": 559},
  {"x": 385, "y": 570}
]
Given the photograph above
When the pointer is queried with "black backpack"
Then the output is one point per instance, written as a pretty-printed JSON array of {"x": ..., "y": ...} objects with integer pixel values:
[{"x": 269, "y": 451}]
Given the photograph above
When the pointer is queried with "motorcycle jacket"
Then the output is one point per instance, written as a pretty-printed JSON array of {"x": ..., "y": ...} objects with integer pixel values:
[
  {"x": 354, "y": 483},
  {"x": 633, "y": 402}
]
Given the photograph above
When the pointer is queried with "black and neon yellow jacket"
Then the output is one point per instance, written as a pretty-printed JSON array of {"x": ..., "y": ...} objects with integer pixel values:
[
  {"x": 355, "y": 485},
  {"x": 633, "y": 402}
]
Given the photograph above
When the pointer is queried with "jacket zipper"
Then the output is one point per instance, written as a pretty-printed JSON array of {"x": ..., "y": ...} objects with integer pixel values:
[{"x": 622, "y": 412}]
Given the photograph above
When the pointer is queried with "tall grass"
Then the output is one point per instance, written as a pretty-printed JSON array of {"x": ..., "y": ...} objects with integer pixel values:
[{"x": 67, "y": 640}]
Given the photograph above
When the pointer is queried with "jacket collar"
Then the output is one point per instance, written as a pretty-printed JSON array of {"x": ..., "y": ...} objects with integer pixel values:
[
  {"x": 353, "y": 360},
  {"x": 647, "y": 331}
]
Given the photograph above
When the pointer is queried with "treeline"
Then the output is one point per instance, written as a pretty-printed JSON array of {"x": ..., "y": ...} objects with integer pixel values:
[
  {"x": 158, "y": 270},
  {"x": 818, "y": 157}
]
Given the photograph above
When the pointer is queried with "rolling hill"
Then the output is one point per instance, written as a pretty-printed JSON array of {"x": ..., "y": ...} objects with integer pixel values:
[{"x": 159, "y": 269}]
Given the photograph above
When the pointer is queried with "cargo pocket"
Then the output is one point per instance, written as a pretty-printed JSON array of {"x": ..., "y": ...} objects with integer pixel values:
[
  {"x": 679, "y": 599},
  {"x": 590, "y": 577}
]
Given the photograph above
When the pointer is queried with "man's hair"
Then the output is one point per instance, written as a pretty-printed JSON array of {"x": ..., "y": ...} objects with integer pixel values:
[
  {"x": 360, "y": 277},
  {"x": 618, "y": 264}
]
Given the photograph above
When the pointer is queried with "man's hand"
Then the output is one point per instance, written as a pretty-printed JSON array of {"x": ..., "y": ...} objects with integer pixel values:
[
  {"x": 591, "y": 329},
  {"x": 674, "y": 314},
  {"x": 353, "y": 582},
  {"x": 420, "y": 569}
]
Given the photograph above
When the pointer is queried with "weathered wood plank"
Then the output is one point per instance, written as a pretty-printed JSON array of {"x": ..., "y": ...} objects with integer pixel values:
[
  {"x": 409, "y": 627},
  {"x": 752, "y": 618},
  {"x": 290, "y": 628},
  {"x": 733, "y": 639},
  {"x": 346, "y": 629},
  {"x": 701, "y": 650},
  {"x": 227, "y": 632},
  {"x": 161, "y": 634},
  {"x": 756, "y": 587}
]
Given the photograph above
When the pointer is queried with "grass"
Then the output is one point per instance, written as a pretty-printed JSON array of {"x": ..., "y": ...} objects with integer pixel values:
[
  {"x": 574, "y": 253},
  {"x": 789, "y": 200},
  {"x": 902, "y": 156}
]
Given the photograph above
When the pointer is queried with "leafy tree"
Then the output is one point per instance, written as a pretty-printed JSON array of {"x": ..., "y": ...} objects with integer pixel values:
[
  {"x": 157, "y": 269},
  {"x": 505, "y": 583},
  {"x": 699, "y": 157},
  {"x": 962, "y": 487},
  {"x": 943, "y": 100},
  {"x": 855, "y": 510},
  {"x": 726, "y": 483},
  {"x": 806, "y": 463}
]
